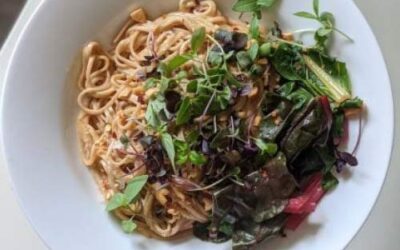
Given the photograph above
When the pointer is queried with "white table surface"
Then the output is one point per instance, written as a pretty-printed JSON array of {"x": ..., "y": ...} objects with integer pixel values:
[{"x": 382, "y": 228}]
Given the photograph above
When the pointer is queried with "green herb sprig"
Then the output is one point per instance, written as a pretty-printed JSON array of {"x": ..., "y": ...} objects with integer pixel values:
[{"x": 327, "y": 21}]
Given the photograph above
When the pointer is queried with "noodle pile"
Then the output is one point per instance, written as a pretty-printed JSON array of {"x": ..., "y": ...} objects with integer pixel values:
[{"x": 113, "y": 102}]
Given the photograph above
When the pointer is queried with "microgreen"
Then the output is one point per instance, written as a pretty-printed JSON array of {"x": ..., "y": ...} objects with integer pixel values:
[
  {"x": 130, "y": 193},
  {"x": 183, "y": 115},
  {"x": 253, "y": 51},
  {"x": 168, "y": 145},
  {"x": 327, "y": 21},
  {"x": 198, "y": 39},
  {"x": 128, "y": 226},
  {"x": 255, "y": 27},
  {"x": 268, "y": 148}
]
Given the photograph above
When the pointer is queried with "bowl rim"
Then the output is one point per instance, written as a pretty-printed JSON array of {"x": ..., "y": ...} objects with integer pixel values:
[{"x": 41, "y": 7}]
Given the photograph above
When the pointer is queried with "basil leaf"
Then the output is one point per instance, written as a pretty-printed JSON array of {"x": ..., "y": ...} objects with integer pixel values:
[
  {"x": 266, "y": 3},
  {"x": 118, "y": 200},
  {"x": 198, "y": 38},
  {"x": 176, "y": 62},
  {"x": 168, "y": 145},
  {"x": 197, "y": 158},
  {"x": 316, "y": 7},
  {"x": 253, "y": 51},
  {"x": 134, "y": 187},
  {"x": 255, "y": 27},
  {"x": 183, "y": 115},
  {"x": 128, "y": 226},
  {"x": 305, "y": 14},
  {"x": 246, "y": 6},
  {"x": 152, "y": 113},
  {"x": 150, "y": 83}
]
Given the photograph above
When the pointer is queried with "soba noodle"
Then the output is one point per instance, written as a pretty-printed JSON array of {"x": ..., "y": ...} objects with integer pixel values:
[{"x": 113, "y": 103}]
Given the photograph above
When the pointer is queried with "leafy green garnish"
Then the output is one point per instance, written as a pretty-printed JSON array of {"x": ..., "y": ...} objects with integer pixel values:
[
  {"x": 244, "y": 60},
  {"x": 183, "y": 115},
  {"x": 198, "y": 38},
  {"x": 355, "y": 103},
  {"x": 327, "y": 21},
  {"x": 130, "y": 193},
  {"x": 320, "y": 74},
  {"x": 118, "y": 200},
  {"x": 196, "y": 158},
  {"x": 253, "y": 5},
  {"x": 152, "y": 114},
  {"x": 134, "y": 187},
  {"x": 255, "y": 27},
  {"x": 185, "y": 155},
  {"x": 168, "y": 145},
  {"x": 253, "y": 51},
  {"x": 128, "y": 226},
  {"x": 246, "y": 6},
  {"x": 329, "y": 181},
  {"x": 269, "y": 148},
  {"x": 176, "y": 62}
]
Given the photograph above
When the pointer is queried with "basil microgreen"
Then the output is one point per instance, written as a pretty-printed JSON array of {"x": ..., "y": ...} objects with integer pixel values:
[
  {"x": 168, "y": 145},
  {"x": 128, "y": 226},
  {"x": 198, "y": 39},
  {"x": 130, "y": 193}
]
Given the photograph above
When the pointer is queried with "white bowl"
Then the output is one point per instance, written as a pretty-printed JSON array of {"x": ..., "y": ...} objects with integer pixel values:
[{"x": 57, "y": 192}]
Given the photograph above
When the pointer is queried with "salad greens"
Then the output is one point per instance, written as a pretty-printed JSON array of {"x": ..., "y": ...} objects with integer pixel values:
[{"x": 261, "y": 116}]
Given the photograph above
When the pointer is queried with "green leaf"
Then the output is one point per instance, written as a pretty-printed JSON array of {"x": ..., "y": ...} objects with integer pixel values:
[
  {"x": 150, "y": 83},
  {"x": 198, "y": 38},
  {"x": 176, "y": 62},
  {"x": 192, "y": 87},
  {"x": 324, "y": 31},
  {"x": 305, "y": 14},
  {"x": 183, "y": 115},
  {"x": 182, "y": 152},
  {"x": 243, "y": 59},
  {"x": 329, "y": 182},
  {"x": 327, "y": 19},
  {"x": 266, "y": 3},
  {"x": 338, "y": 125},
  {"x": 181, "y": 75},
  {"x": 152, "y": 113},
  {"x": 128, "y": 226},
  {"x": 197, "y": 158},
  {"x": 316, "y": 7},
  {"x": 253, "y": 51},
  {"x": 255, "y": 27},
  {"x": 118, "y": 200},
  {"x": 332, "y": 73},
  {"x": 215, "y": 58},
  {"x": 134, "y": 187},
  {"x": 355, "y": 103},
  {"x": 269, "y": 148},
  {"x": 168, "y": 145},
  {"x": 246, "y": 6}
]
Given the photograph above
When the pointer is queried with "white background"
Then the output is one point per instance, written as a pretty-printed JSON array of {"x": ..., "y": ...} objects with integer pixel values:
[{"x": 382, "y": 228}]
